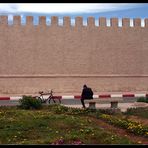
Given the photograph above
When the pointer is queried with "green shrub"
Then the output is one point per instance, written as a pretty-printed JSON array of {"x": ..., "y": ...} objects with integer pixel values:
[
  {"x": 142, "y": 99},
  {"x": 137, "y": 111},
  {"x": 28, "y": 102},
  {"x": 146, "y": 99}
]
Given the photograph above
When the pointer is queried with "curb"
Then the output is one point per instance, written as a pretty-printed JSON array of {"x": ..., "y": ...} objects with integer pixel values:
[{"x": 101, "y": 96}]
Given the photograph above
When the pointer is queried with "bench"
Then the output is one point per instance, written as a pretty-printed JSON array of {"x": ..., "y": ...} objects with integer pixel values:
[
  {"x": 92, "y": 105},
  {"x": 114, "y": 104},
  {"x": 112, "y": 101}
]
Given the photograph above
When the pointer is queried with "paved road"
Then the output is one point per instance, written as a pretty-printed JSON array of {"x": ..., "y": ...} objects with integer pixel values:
[{"x": 66, "y": 102}]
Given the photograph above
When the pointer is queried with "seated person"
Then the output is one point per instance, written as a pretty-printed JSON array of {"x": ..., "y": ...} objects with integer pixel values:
[{"x": 87, "y": 93}]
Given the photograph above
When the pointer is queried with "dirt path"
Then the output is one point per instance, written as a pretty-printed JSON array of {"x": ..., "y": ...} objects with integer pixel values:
[{"x": 120, "y": 132}]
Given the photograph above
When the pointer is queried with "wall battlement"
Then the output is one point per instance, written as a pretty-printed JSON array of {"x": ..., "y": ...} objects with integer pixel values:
[{"x": 102, "y": 21}]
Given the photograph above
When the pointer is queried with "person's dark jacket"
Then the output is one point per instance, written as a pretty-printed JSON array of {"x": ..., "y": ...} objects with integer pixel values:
[{"x": 87, "y": 93}]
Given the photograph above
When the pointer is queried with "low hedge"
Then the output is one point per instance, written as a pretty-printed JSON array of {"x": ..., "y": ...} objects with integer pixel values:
[{"x": 142, "y": 99}]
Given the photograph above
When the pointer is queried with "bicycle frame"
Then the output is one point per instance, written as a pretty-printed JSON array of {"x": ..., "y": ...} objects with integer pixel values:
[{"x": 51, "y": 97}]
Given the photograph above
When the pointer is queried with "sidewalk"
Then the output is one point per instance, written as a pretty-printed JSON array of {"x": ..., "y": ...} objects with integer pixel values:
[
  {"x": 79, "y": 93},
  {"x": 122, "y": 106}
]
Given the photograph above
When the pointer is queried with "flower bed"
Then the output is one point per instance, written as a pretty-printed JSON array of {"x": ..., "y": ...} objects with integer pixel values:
[{"x": 134, "y": 127}]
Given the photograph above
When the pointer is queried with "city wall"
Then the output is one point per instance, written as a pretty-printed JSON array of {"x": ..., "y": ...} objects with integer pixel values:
[{"x": 63, "y": 58}]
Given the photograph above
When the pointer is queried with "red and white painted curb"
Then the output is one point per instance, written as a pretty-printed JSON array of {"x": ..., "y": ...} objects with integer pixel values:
[{"x": 101, "y": 96}]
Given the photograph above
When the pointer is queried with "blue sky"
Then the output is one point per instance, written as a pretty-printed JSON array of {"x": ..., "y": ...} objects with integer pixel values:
[{"x": 108, "y": 10}]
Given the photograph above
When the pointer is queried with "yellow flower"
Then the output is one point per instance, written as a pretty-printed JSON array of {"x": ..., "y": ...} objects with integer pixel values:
[{"x": 81, "y": 130}]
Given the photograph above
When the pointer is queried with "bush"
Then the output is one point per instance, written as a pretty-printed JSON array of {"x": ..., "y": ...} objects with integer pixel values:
[
  {"x": 143, "y": 99},
  {"x": 146, "y": 99},
  {"x": 28, "y": 102},
  {"x": 138, "y": 111}
]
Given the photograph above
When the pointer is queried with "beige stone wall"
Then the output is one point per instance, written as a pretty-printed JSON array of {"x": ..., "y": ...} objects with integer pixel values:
[{"x": 65, "y": 57}]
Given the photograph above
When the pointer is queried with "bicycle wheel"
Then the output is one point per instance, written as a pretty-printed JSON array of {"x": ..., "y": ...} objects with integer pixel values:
[
  {"x": 60, "y": 101},
  {"x": 39, "y": 98},
  {"x": 51, "y": 98}
]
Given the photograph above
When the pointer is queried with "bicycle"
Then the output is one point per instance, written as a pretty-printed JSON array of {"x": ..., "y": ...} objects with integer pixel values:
[{"x": 50, "y": 97}]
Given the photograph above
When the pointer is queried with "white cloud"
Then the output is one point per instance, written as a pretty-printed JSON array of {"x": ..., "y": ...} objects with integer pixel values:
[
  {"x": 64, "y": 8},
  {"x": 8, "y": 8}
]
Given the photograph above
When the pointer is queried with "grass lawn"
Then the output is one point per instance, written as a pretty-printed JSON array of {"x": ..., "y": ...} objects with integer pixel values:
[{"x": 54, "y": 124}]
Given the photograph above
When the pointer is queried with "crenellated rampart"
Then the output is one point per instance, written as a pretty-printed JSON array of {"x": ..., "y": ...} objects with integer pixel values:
[
  {"x": 64, "y": 57},
  {"x": 114, "y": 22}
]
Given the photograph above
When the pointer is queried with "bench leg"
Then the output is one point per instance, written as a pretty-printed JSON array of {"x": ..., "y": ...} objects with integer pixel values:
[
  {"x": 92, "y": 105},
  {"x": 114, "y": 104}
]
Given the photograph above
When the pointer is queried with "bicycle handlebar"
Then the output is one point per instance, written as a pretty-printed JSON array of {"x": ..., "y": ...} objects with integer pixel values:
[{"x": 42, "y": 93}]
